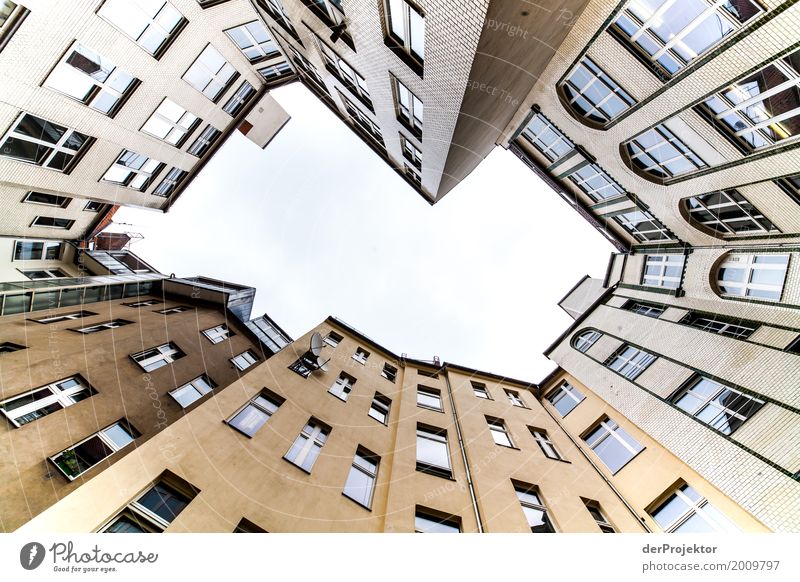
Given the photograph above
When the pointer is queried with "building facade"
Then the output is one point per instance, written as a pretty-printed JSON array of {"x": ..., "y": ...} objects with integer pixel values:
[
  {"x": 369, "y": 442},
  {"x": 91, "y": 367},
  {"x": 117, "y": 102}
]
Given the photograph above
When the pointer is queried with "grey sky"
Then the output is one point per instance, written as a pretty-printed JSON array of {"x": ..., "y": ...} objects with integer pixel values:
[{"x": 320, "y": 225}]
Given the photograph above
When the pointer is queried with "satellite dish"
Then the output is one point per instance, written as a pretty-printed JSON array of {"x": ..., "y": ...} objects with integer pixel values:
[
  {"x": 316, "y": 344},
  {"x": 322, "y": 364}
]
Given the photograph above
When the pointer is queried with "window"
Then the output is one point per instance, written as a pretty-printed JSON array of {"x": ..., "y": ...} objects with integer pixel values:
[
  {"x": 170, "y": 310},
  {"x": 660, "y": 153},
  {"x": 761, "y": 109},
  {"x": 362, "y": 121},
  {"x": 547, "y": 138},
  {"x": 157, "y": 357},
  {"x": 646, "y": 309},
  {"x": 794, "y": 347},
  {"x": 171, "y": 123},
  {"x": 379, "y": 409},
  {"x": 88, "y": 77},
  {"x": 412, "y": 175},
  {"x": 409, "y": 108},
  {"x": 389, "y": 372},
  {"x": 44, "y": 274},
  {"x": 348, "y": 76},
  {"x": 360, "y": 482},
  {"x": 133, "y": 170},
  {"x": 596, "y": 183},
  {"x": 758, "y": 276},
  {"x": 65, "y": 317},
  {"x": 87, "y": 453},
  {"x": 726, "y": 213},
  {"x": 155, "y": 509},
  {"x": 595, "y": 95},
  {"x": 151, "y": 23},
  {"x": 331, "y": 13},
  {"x": 515, "y": 399},
  {"x": 192, "y": 391},
  {"x": 217, "y": 334},
  {"x": 34, "y": 404},
  {"x": 411, "y": 152},
  {"x": 304, "y": 365},
  {"x": 46, "y": 199},
  {"x": 433, "y": 455},
  {"x": 427, "y": 374},
  {"x": 254, "y": 41},
  {"x": 722, "y": 408},
  {"x": 239, "y": 99},
  {"x": 642, "y": 225},
  {"x": 613, "y": 445},
  {"x": 686, "y": 511},
  {"x": 204, "y": 141},
  {"x": 602, "y": 521},
  {"x": 144, "y": 303},
  {"x": 170, "y": 182},
  {"x": 114, "y": 324},
  {"x": 790, "y": 185},
  {"x": 36, "y": 251},
  {"x": 247, "y": 526},
  {"x": 211, "y": 74},
  {"x": 7, "y": 347},
  {"x": 739, "y": 330},
  {"x": 308, "y": 444},
  {"x": 93, "y": 206},
  {"x": 333, "y": 339},
  {"x": 479, "y": 389},
  {"x": 663, "y": 271},
  {"x": 278, "y": 12},
  {"x": 429, "y": 398},
  {"x": 630, "y": 361},
  {"x": 669, "y": 35},
  {"x": 244, "y": 360},
  {"x": 361, "y": 355},
  {"x": 565, "y": 398},
  {"x": 34, "y": 140},
  {"x": 406, "y": 27},
  {"x": 11, "y": 14},
  {"x": 534, "y": 509},
  {"x": 256, "y": 413},
  {"x": 586, "y": 339},
  {"x": 52, "y": 222},
  {"x": 425, "y": 522},
  {"x": 497, "y": 427},
  {"x": 276, "y": 71},
  {"x": 548, "y": 448},
  {"x": 343, "y": 386}
]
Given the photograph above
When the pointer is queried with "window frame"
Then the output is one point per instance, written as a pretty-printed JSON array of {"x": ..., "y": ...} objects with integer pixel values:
[
  {"x": 317, "y": 437},
  {"x": 403, "y": 47},
  {"x": 218, "y": 333},
  {"x": 611, "y": 430},
  {"x": 342, "y": 386},
  {"x": 58, "y": 201},
  {"x": 499, "y": 432},
  {"x": 436, "y": 435},
  {"x": 169, "y": 36},
  {"x": 234, "y": 360},
  {"x": 525, "y": 490},
  {"x": 108, "y": 442},
  {"x": 596, "y": 75},
  {"x": 709, "y": 401},
  {"x": 198, "y": 391},
  {"x": 407, "y": 114},
  {"x": 62, "y": 397},
  {"x": 361, "y": 356},
  {"x": 134, "y": 173},
  {"x": 663, "y": 262},
  {"x": 168, "y": 353},
  {"x": 272, "y": 399},
  {"x": 546, "y": 445},
  {"x": 562, "y": 391},
  {"x": 432, "y": 393},
  {"x": 694, "y": 507},
  {"x": 185, "y": 130},
  {"x": 98, "y": 327},
  {"x": 136, "y": 510},
  {"x": 213, "y": 77},
  {"x": 371, "y": 473},
  {"x": 383, "y": 402},
  {"x": 515, "y": 398},
  {"x": 263, "y": 54},
  {"x": 719, "y": 224},
  {"x": 56, "y": 149},
  {"x": 751, "y": 265},
  {"x": 631, "y": 365}
]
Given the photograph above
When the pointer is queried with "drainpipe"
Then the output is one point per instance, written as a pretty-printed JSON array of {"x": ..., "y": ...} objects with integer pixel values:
[
  {"x": 463, "y": 451},
  {"x": 599, "y": 472}
]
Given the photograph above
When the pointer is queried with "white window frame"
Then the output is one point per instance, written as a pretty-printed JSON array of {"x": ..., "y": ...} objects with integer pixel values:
[
  {"x": 333, "y": 339},
  {"x": 586, "y": 339},
  {"x": 430, "y": 393},
  {"x": 522, "y": 493},
  {"x": 65, "y": 317},
  {"x": 437, "y": 436},
  {"x": 546, "y": 137},
  {"x": 710, "y": 401},
  {"x": 381, "y": 405},
  {"x": 644, "y": 309},
  {"x": 665, "y": 138},
  {"x": 204, "y": 141},
  {"x": 548, "y": 448},
  {"x": 411, "y": 113},
  {"x": 630, "y": 361},
  {"x": 389, "y": 372},
  {"x": 406, "y": 26},
  {"x": 750, "y": 264},
  {"x": 273, "y": 403},
  {"x": 727, "y": 225},
  {"x": 142, "y": 513},
  {"x": 56, "y": 148},
  {"x": 143, "y": 303},
  {"x": 515, "y": 398},
  {"x": 58, "y": 201},
  {"x": 114, "y": 324},
  {"x": 565, "y": 390},
  {"x": 239, "y": 99},
  {"x": 499, "y": 432},
  {"x": 212, "y": 77},
  {"x": 342, "y": 387},
  {"x": 611, "y": 430},
  {"x": 411, "y": 152},
  {"x": 662, "y": 263},
  {"x": 177, "y": 131},
  {"x": 244, "y": 358},
  {"x": 66, "y": 225},
  {"x": 597, "y": 76},
  {"x": 218, "y": 333},
  {"x": 100, "y": 87},
  {"x": 201, "y": 386},
  {"x": 51, "y": 273},
  {"x": 166, "y": 353},
  {"x": 709, "y": 324},
  {"x": 105, "y": 439},
  {"x": 600, "y": 518},
  {"x": 153, "y": 23},
  {"x": 361, "y": 356},
  {"x": 480, "y": 391},
  {"x": 314, "y": 434},
  {"x": 46, "y": 246},
  {"x": 62, "y": 396},
  {"x": 366, "y": 464},
  {"x": 137, "y": 178},
  {"x": 255, "y": 45},
  {"x": 609, "y": 190},
  {"x": 693, "y": 508}
]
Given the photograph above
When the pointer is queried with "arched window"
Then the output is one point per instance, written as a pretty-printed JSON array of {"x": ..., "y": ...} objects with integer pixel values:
[
  {"x": 593, "y": 95},
  {"x": 586, "y": 340},
  {"x": 757, "y": 276},
  {"x": 661, "y": 154}
]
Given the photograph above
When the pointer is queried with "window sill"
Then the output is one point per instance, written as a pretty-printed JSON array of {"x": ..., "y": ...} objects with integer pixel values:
[
  {"x": 402, "y": 54},
  {"x": 430, "y": 408},
  {"x": 361, "y": 505},
  {"x": 298, "y": 467},
  {"x": 435, "y": 471}
]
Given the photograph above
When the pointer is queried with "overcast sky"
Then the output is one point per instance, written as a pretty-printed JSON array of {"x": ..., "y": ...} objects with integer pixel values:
[{"x": 320, "y": 226}]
